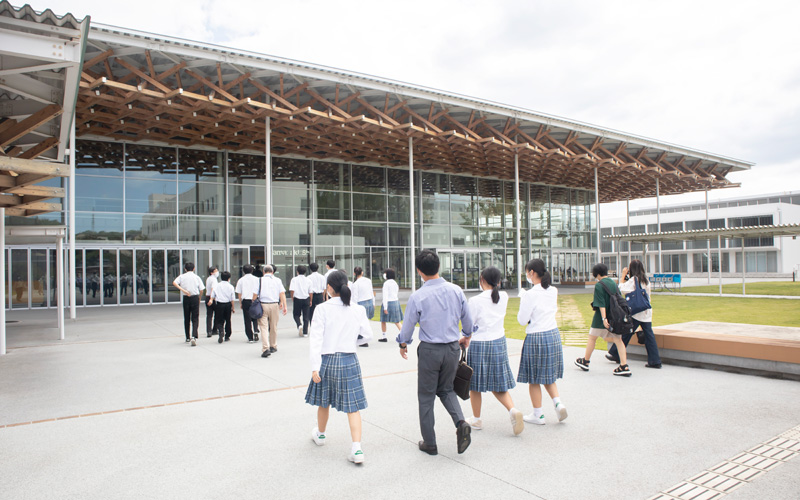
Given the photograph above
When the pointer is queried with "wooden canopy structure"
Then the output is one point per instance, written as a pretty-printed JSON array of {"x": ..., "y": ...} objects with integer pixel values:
[{"x": 138, "y": 86}]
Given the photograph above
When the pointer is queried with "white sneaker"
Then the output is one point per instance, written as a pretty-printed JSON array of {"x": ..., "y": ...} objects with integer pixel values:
[
  {"x": 562, "y": 411},
  {"x": 534, "y": 420},
  {"x": 300, "y": 330},
  {"x": 194, "y": 341},
  {"x": 517, "y": 421},
  {"x": 318, "y": 437},
  {"x": 357, "y": 457},
  {"x": 251, "y": 341},
  {"x": 475, "y": 423}
]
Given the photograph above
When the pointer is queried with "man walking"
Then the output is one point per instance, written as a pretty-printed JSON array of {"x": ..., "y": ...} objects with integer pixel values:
[
  {"x": 190, "y": 286},
  {"x": 211, "y": 281},
  {"x": 246, "y": 287},
  {"x": 301, "y": 300},
  {"x": 437, "y": 306},
  {"x": 273, "y": 296},
  {"x": 318, "y": 285}
]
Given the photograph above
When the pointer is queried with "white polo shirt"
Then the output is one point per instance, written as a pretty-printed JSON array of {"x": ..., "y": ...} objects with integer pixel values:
[
  {"x": 190, "y": 282},
  {"x": 223, "y": 292},
  {"x": 318, "y": 282},
  {"x": 301, "y": 286},
  {"x": 488, "y": 317},
  {"x": 210, "y": 282},
  {"x": 362, "y": 290},
  {"x": 336, "y": 328},
  {"x": 537, "y": 309},
  {"x": 271, "y": 289},
  {"x": 247, "y": 286}
]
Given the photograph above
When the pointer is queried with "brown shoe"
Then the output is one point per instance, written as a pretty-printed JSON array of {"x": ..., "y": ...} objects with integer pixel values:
[{"x": 430, "y": 450}]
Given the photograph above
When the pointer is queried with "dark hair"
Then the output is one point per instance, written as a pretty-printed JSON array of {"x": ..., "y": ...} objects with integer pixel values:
[
  {"x": 390, "y": 274},
  {"x": 338, "y": 281},
  {"x": 274, "y": 268},
  {"x": 225, "y": 275},
  {"x": 537, "y": 266},
  {"x": 313, "y": 266},
  {"x": 257, "y": 272},
  {"x": 211, "y": 269},
  {"x": 188, "y": 267},
  {"x": 331, "y": 263},
  {"x": 600, "y": 270},
  {"x": 427, "y": 262},
  {"x": 247, "y": 269},
  {"x": 301, "y": 270},
  {"x": 491, "y": 275},
  {"x": 636, "y": 270},
  {"x": 358, "y": 271}
]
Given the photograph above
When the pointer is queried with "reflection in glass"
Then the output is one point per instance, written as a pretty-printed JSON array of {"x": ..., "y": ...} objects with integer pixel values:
[
  {"x": 435, "y": 210},
  {"x": 332, "y": 176},
  {"x": 247, "y": 201},
  {"x": 38, "y": 278},
  {"x": 79, "y": 277},
  {"x": 399, "y": 236},
  {"x": 126, "y": 277},
  {"x": 109, "y": 278},
  {"x": 399, "y": 261},
  {"x": 98, "y": 158},
  {"x": 249, "y": 231},
  {"x": 369, "y": 235},
  {"x": 141, "y": 277},
  {"x": 290, "y": 203},
  {"x": 399, "y": 210},
  {"x": 206, "y": 229},
  {"x": 157, "y": 276},
  {"x": 292, "y": 233},
  {"x": 201, "y": 199},
  {"x": 369, "y": 207},
  {"x": 150, "y": 227},
  {"x": 150, "y": 162},
  {"x": 291, "y": 172},
  {"x": 198, "y": 165},
  {"x": 379, "y": 261},
  {"x": 93, "y": 277},
  {"x": 173, "y": 271},
  {"x": 98, "y": 194},
  {"x": 98, "y": 226},
  {"x": 333, "y": 234},
  {"x": 247, "y": 169},
  {"x": 333, "y": 205},
  {"x": 436, "y": 236},
  {"x": 397, "y": 181},
  {"x": 368, "y": 179},
  {"x": 464, "y": 236},
  {"x": 150, "y": 196},
  {"x": 238, "y": 258}
]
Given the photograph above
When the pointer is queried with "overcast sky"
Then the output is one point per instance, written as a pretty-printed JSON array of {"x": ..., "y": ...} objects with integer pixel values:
[{"x": 719, "y": 76}]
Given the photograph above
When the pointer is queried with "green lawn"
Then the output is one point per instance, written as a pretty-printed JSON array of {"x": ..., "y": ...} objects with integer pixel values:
[
  {"x": 676, "y": 309},
  {"x": 759, "y": 288}
]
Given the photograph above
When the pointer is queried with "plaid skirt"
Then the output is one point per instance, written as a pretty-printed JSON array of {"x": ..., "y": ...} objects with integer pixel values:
[
  {"x": 341, "y": 385},
  {"x": 542, "y": 360},
  {"x": 489, "y": 362},
  {"x": 369, "y": 305},
  {"x": 395, "y": 313}
]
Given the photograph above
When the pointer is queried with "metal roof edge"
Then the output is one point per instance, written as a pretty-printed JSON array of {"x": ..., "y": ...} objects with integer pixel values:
[{"x": 40, "y": 17}]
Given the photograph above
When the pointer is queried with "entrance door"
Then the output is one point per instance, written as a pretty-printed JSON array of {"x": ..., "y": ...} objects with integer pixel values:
[{"x": 463, "y": 267}]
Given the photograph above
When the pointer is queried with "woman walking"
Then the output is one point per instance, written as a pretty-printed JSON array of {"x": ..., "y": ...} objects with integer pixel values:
[
  {"x": 390, "y": 304},
  {"x": 600, "y": 323},
  {"x": 632, "y": 277},
  {"x": 336, "y": 373},
  {"x": 542, "y": 361},
  {"x": 488, "y": 354}
]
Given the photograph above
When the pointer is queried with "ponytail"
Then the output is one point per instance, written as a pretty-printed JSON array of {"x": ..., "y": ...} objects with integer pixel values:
[
  {"x": 491, "y": 275},
  {"x": 537, "y": 266},
  {"x": 338, "y": 281},
  {"x": 344, "y": 294},
  {"x": 546, "y": 280}
]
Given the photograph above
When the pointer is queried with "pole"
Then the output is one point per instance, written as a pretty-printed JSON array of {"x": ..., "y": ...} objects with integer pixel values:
[
  {"x": 60, "y": 284},
  {"x": 71, "y": 225},
  {"x": 719, "y": 261},
  {"x": 658, "y": 224},
  {"x": 708, "y": 251},
  {"x": 517, "y": 210},
  {"x": 628, "y": 220},
  {"x": 267, "y": 149},
  {"x": 5, "y": 281},
  {"x": 744, "y": 265},
  {"x": 597, "y": 214},
  {"x": 412, "y": 276}
]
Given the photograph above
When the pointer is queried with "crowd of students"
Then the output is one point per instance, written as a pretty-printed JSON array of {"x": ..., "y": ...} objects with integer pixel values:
[{"x": 335, "y": 312}]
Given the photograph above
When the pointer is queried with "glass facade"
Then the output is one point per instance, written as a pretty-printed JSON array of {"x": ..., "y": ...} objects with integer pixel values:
[{"x": 142, "y": 211}]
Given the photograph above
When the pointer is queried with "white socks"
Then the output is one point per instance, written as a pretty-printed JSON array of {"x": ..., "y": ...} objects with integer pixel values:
[
  {"x": 318, "y": 433},
  {"x": 356, "y": 446},
  {"x": 556, "y": 401},
  {"x": 537, "y": 412}
]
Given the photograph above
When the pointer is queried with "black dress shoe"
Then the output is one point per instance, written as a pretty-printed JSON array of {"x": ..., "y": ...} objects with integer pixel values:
[
  {"x": 255, "y": 337},
  {"x": 265, "y": 354},
  {"x": 612, "y": 359},
  {"x": 220, "y": 339},
  {"x": 463, "y": 436},
  {"x": 363, "y": 345},
  {"x": 648, "y": 365},
  {"x": 227, "y": 339},
  {"x": 273, "y": 349},
  {"x": 430, "y": 450},
  {"x": 208, "y": 335},
  {"x": 383, "y": 340}
]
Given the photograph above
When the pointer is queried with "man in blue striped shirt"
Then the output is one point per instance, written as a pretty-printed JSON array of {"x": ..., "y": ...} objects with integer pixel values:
[{"x": 437, "y": 307}]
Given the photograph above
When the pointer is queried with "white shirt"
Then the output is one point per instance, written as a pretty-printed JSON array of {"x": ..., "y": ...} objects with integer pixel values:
[
  {"x": 301, "y": 286},
  {"x": 247, "y": 286},
  {"x": 328, "y": 272},
  {"x": 629, "y": 286},
  {"x": 223, "y": 292},
  {"x": 190, "y": 282},
  {"x": 318, "y": 282},
  {"x": 539, "y": 306},
  {"x": 488, "y": 317},
  {"x": 271, "y": 289},
  {"x": 335, "y": 328},
  {"x": 389, "y": 293},
  {"x": 210, "y": 282},
  {"x": 362, "y": 290}
]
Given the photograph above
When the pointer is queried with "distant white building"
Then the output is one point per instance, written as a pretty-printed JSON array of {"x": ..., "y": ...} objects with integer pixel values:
[{"x": 778, "y": 257}]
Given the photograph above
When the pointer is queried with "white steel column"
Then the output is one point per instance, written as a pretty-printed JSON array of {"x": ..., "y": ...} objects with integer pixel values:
[
  {"x": 658, "y": 224},
  {"x": 60, "y": 283},
  {"x": 597, "y": 215},
  {"x": 708, "y": 251},
  {"x": 3, "y": 303},
  {"x": 413, "y": 276},
  {"x": 520, "y": 264},
  {"x": 268, "y": 202},
  {"x": 628, "y": 221},
  {"x": 719, "y": 263},
  {"x": 744, "y": 265},
  {"x": 71, "y": 224}
]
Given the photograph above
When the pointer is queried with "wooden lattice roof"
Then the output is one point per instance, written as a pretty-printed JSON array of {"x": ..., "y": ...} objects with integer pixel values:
[{"x": 142, "y": 87}]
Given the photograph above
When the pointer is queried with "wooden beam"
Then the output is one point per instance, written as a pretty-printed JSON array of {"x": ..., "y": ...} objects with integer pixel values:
[
  {"x": 40, "y": 148},
  {"x": 21, "y": 128},
  {"x": 40, "y": 168}
]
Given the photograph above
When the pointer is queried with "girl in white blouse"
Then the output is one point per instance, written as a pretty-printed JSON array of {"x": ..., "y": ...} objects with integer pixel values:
[
  {"x": 488, "y": 353},
  {"x": 337, "y": 328},
  {"x": 542, "y": 361},
  {"x": 390, "y": 304},
  {"x": 630, "y": 278}
]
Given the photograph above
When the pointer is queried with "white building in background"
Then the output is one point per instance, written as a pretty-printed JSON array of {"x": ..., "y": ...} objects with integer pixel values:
[{"x": 769, "y": 257}]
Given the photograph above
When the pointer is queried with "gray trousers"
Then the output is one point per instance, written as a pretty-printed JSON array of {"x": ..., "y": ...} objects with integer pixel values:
[{"x": 436, "y": 365}]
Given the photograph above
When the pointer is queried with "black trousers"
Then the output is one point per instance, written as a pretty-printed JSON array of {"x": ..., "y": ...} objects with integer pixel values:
[
  {"x": 191, "y": 314},
  {"x": 211, "y": 325},
  {"x": 250, "y": 324},
  {"x": 315, "y": 301},
  {"x": 301, "y": 307},
  {"x": 222, "y": 315}
]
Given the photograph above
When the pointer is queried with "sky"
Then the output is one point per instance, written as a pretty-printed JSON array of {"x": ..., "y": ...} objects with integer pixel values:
[{"x": 718, "y": 76}]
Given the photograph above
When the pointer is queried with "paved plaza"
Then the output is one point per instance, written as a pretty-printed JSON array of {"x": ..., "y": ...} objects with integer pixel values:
[{"x": 123, "y": 408}]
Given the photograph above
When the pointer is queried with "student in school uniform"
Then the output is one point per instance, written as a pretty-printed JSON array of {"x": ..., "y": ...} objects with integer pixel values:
[
  {"x": 390, "y": 303},
  {"x": 488, "y": 353},
  {"x": 300, "y": 288},
  {"x": 364, "y": 295},
  {"x": 246, "y": 287},
  {"x": 222, "y": 297},
  {"x": 335, "y": 371},
  {"x": 317, "y": 291},
  {"x": 542, "y": 361},
  {"x": 330, "y": 267},
  {"x": 211, "y": 281},
  {"x": 190, "y": 286},
  {"x": 273, "y": 299}
]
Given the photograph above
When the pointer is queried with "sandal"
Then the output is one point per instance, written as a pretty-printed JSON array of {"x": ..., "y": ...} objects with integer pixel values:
[
  {"x": 622, "y": 371},
  {"x": 582, "y": 363}
]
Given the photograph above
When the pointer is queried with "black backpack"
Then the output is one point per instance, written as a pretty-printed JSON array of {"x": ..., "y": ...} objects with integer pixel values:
[{"x": 618, "y": 313}]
